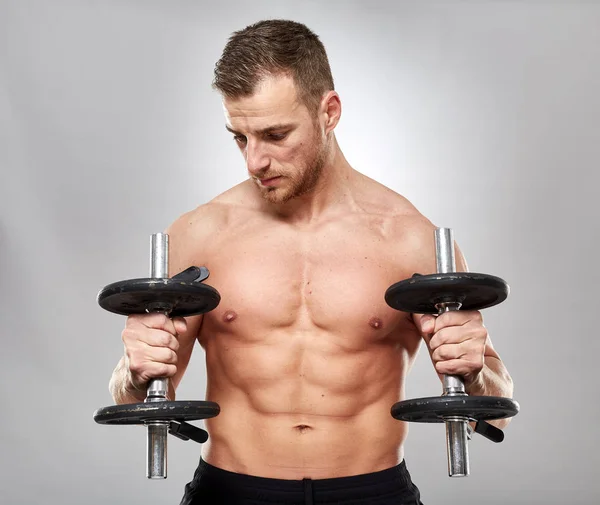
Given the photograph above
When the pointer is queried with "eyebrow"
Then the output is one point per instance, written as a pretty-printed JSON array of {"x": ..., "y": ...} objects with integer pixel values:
[{"x": 269, "y": 129}]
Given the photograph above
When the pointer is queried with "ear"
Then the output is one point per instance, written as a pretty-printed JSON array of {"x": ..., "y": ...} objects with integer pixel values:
[{"x": 331, "y": 108}]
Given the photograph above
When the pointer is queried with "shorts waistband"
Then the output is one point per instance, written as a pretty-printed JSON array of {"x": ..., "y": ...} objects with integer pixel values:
[{"x": 395, "y": 476}]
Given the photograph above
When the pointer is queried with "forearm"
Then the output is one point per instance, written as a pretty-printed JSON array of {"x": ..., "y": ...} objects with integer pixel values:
[
  {"x": 493, "y": 380},
  {"x": 123, "y": 390}
]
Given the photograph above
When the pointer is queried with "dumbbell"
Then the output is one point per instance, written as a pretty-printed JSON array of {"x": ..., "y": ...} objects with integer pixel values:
[
  {"x": 183, "y": 295},
  {"x": 445, "y": 291}
]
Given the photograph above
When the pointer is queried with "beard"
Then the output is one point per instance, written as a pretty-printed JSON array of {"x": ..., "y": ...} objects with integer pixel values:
[{"x": 302, "y": 182}]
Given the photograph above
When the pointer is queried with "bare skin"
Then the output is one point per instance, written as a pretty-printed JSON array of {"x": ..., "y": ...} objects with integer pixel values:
[{"x": 303, "y": 355}]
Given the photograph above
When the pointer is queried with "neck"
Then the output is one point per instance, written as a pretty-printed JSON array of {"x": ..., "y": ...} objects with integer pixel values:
[{"x": 332, "y": 190}]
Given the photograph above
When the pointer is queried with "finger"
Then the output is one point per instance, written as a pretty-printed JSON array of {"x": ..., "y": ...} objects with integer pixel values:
[
  {"x": 152, "y": 370},
  {"x": 425, "y": 323},
  {"x": 148, "y": 362},
  {"x": 462, "y": 367},
  {"x": 154, "y": 320},
  {"x": 448, "y": 335},
  {"x": 180, "y": 325},
  {"x": 471, "y": 332},
  {"x": 135, "y": 337},
  {"x": 161, "y": 355},
  {"x": 138, "y": 356},
  {"x": 457, "y": 318},
  {"x": 161, "y": 339},
  {"x": 449, "y": 352}
]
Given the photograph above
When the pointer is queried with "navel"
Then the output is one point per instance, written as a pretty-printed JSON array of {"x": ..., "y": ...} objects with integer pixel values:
[
  {"x": 376, "y": 323},
  {"x": 302, "y": 428},
  {"x": 229, "y": 316}
]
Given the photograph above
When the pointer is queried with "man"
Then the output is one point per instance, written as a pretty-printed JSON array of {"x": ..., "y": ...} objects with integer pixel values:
[{"x": 303, "y": 355}]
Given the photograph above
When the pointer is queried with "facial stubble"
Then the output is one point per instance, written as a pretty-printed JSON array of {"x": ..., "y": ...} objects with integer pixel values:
[{"x": 305, "y": 181}]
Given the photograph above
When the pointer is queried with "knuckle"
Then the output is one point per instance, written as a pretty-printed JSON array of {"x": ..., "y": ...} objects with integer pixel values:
[
  {"x": 133, "y": 353},
  {"x": 133, "y": 320},
  {"x": 443, "y": 336},
  {"x": 441, "y": 367},
  {"x": 451, "y": 367},
  {"x": 475, "y": 322},
  {"x": 159, "y": 338},
  {"x": 479, "y": 338},
  {"x": 136, "y": 366},
  {"x": 167, "y": 370},
  {"x": 475, "y": 360},
  {"x": 446, "y": 317},
  {"x": 165, "y": 339},
  {"x": 129, "y": 355},
  {"x": 439, "y": 352},
  {"x": 128, "y": 335},
  {"x": 444, "y": 352},
  {"x": 440, "y": 321},
  {"x": 434, "y": 343}
]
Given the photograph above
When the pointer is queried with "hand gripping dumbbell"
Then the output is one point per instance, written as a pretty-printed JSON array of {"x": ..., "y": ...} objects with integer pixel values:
[
  {"x": 435, "y": 294},
  {"x": 182, "y": 295}
]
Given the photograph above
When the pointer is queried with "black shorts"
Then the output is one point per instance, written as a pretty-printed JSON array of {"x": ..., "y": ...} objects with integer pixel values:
[{"x": 213, "y": 486}]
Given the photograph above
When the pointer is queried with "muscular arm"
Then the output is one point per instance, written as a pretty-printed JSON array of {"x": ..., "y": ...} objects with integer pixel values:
[
  {"x": 494, "y": 379},
  {"x": 489, "y": 376},
  {"x": 140, "y": 362}
]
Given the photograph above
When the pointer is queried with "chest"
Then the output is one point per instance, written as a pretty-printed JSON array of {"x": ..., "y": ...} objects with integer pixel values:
[{"x": 331, "y": 278}]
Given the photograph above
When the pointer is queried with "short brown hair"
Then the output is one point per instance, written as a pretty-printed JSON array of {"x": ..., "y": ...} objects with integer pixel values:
[{"x": 273, "y": 47}]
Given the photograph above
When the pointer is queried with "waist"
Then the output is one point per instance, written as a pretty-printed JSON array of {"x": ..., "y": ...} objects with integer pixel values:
[{"x": 394, "y": 478}]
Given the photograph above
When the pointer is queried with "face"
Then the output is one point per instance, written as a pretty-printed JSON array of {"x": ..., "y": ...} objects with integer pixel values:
[{"x": 283, "y": 144}]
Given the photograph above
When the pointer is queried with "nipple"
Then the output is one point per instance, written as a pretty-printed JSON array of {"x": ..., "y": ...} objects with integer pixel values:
[
  {"x": 229, "y": 316},
  {"x": 376, "y": 323}
]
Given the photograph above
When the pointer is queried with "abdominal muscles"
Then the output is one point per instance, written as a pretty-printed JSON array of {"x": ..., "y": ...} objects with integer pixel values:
[{"x": 298, "y": 404}]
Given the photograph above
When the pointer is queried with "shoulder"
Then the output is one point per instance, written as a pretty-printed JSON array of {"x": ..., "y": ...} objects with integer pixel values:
[
  {"x": 404, "y": 228},
  {"x": 197, "y": 224},
  {"x": 213, "y": 216},
  {"x": 401, "y": 217},
  {"x": 193, "y": 235}
]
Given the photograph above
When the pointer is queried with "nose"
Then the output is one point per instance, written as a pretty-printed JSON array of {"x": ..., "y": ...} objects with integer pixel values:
[{"x": 257, "y": 160}]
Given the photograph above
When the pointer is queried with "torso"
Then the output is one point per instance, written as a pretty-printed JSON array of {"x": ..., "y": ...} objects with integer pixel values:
[{"x": 303, "y": 355}]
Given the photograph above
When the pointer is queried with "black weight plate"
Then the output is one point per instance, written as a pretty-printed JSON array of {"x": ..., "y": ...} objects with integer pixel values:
[
  {"x": 420, "y": 294},
  {"x": 137, "y": 413},
  {"x": 434, "y": 409},
  {"x": 137, "y": 296}
]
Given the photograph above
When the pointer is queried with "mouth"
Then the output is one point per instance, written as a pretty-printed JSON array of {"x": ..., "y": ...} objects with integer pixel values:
[{"x": 271, "y": 181}]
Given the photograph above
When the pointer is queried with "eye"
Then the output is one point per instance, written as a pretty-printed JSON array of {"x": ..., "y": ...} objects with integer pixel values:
[
  {"x": 277, "y": 136},
  {"x": 240, "y": 139}
]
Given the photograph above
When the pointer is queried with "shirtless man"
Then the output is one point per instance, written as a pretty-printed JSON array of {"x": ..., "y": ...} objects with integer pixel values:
[{"x": 303, "y": 355}]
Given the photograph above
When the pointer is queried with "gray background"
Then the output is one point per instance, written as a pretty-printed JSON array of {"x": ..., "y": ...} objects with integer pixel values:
[{"x": 484, "y": 114}]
